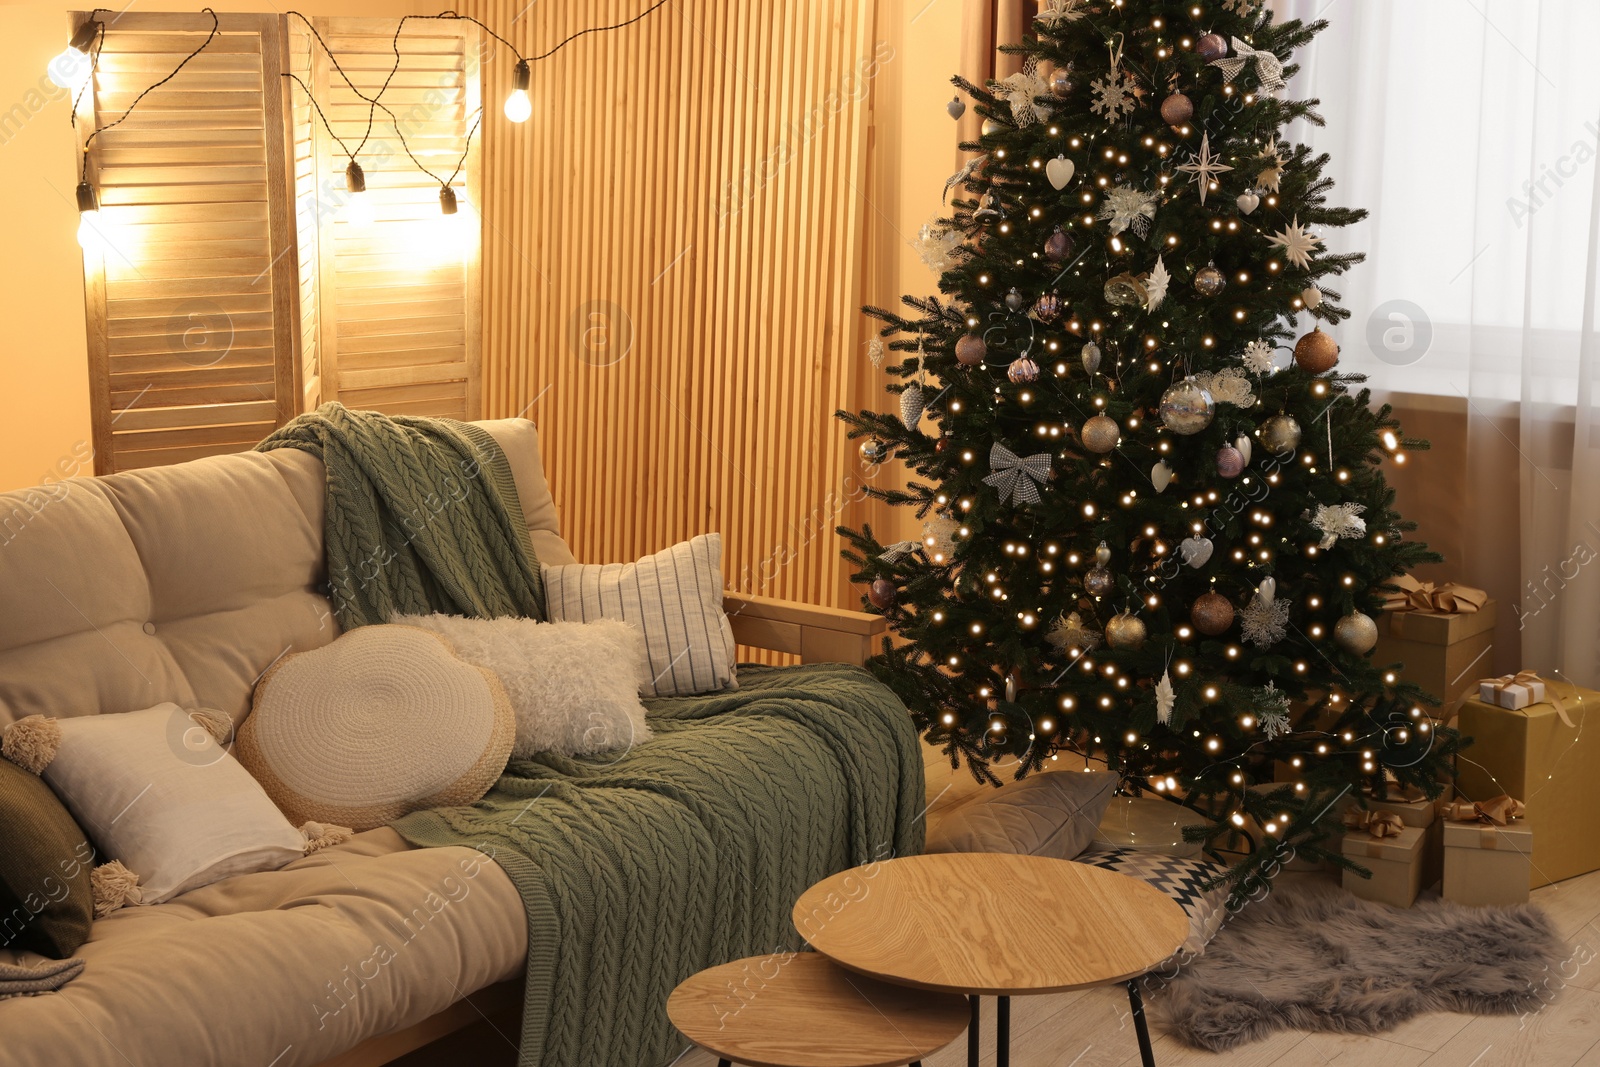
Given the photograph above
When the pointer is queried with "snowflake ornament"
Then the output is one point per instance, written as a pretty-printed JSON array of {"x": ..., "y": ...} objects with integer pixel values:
[
  {"x": 1155, "y": 285},
  {"x": 1129, "y": 209},
  {"x": 1258, "y": 358},
  {"x": 1265, "y": 619},
  {"x": 1055, "y": 12},
  {"x": 1227, "y": 386},
  {"x": 1204, "y": 167},
  {"x": 1272, "y": 710},
  {"x": 1070, "y": 632},
  {"x": 1166, "y": 697},
  {"x": 1115, "y": 95},
  {"x": 1338, "y": 520},
  {"x": 936, "y": 246},
  {"x": 1297, "y": 242},
  {"x": 1021, "y": 90}
]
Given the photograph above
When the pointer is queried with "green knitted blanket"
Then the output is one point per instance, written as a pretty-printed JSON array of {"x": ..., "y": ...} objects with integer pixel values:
[
  {"x": 422, "y": 517},
  {"x": 690, "y": 850}
]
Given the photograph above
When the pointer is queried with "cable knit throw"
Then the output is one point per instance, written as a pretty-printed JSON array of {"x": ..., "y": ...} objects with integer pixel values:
[
  {"x": 688, "y": 851},
  {"x": 422, "y": 517}
]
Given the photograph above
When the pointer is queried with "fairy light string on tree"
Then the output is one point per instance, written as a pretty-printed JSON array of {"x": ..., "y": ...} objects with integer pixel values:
[{"x": 1160, "y": 593}]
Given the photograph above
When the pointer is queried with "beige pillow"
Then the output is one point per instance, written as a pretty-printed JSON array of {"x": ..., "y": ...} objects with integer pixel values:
[
  {"x": 154, "y": 790},
  {"x": 384, "y": 721},
  {"x": 673, "y": 598},
  {"x": 1049, "y": 813}
]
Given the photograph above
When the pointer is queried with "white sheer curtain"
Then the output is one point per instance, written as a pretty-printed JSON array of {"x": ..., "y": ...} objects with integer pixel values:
[{"x": 1470, "y": 130}]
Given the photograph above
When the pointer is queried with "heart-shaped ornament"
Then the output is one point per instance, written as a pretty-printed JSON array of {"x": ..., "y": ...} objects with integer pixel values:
[
  {"x": 1060, "y": 171},
  {"x": 1242, "y": 443},
  {"x": 1196, "y": 551},
  {"x": 1161, "y": 476},
  {"x": 1248, "y": 201}
]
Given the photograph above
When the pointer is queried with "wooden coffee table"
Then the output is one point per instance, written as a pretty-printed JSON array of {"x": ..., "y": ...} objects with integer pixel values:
[
  {"x": 991, "y": 924},
  {"x": 799, "y": 1010}
]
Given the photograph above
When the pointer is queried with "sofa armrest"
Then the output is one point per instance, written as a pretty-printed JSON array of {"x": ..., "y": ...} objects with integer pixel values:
[{"x": 815, "y": 634}]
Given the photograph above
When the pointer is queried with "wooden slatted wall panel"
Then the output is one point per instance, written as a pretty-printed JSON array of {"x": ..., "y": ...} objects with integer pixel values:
[
  {"x": 190, "y": 304},
  {"x": 303, "y": 130},
  {"x": 671, "y": 274},
  {"x": 397, "y": 305}
]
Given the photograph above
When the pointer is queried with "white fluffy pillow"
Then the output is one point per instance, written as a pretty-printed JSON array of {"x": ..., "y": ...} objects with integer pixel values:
[{"x": 574, "y": 686}]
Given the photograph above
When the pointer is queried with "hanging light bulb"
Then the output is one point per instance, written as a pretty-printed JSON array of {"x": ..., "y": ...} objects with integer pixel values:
[
  {"x": 447, "y": 200},
  {"x": 518, "y": 106},
  {"x": 358, "y": 207},
  {"x": 89, "y": 237},
  {"x": 71, "y": 68}
]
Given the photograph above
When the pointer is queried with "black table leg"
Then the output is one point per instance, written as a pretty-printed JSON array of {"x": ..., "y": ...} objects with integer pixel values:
[
  {"x": 1146, "y": 1054},
  {"x": 724, "y": 1063},
  {"x": 973, "y": 1054},
  {"x": 1002, "y": 1032}
]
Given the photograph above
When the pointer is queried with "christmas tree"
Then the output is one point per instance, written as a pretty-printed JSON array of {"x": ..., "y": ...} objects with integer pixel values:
[{"x": 1150, "y": 535}]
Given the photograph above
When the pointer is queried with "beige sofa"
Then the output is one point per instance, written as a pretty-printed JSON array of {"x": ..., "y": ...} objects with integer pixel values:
[{"x": 184, "y": 584}]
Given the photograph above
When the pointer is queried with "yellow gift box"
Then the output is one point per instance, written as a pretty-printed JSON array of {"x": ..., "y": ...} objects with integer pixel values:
[
  {"x": 1486, "y": 864},
  {"x": 1553, "y": 767},
  {"x": 1444, "y": 652},
  {"x": 1396, "y": 864}
]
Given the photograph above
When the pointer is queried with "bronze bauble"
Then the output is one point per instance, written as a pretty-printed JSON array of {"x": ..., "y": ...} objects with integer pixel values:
[
  {"x": 1177, "y": 109},
  {"x": 1061, "y": 82},
  {"x": 971, "y": 350},
  {"x": 1280, "y": 434},
  {"x": 1058, "y": 246},
  {"x": 1023, "y": 370},
  {"x": 882, "y": 593},
  {"x": 1100, "y": 434},
  {"x": 1126, "y": 632},
  {"x": 1099, "y": 582},
  {"x": 1355, "y": 633},
  {"x": 1212, "y": 614},
  {"x": 1210, "y": 281},
  {"x": 1316, "y": 352},
  {"x": 1212, "y": 47}
]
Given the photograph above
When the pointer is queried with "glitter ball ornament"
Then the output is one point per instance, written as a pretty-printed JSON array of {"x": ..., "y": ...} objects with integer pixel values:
[
  {"x": 1212, "y": 47},
  {"x": 970, "y": 350},
  {"x": 1100, "y": 434},
  {"x": 1280, "y": 434},
  {"x": 1015, "y": 299},
  {"x": 1047, "y": 308},
  {"x": 1125, "y": 290},
  {"x": 1126, "y": 632},
  {"x": 1230, "y": 462},
  {"x": 1023, "y": 370},
  {"x": 1061, "y": 82},
  {"x": 1186, "y": 408},
  {"x": 1177, "y": 109},
  {"x": 873, "y": 451},
  {"x": 1355, "y": 633},
  {"x": 991, "y": 127},
  {"x": 881, "y": 593},
  {"x": 1210, "y": 281},
  {"x": 1212, "y": 614},
  {"x": 956, "y": 107},
  {"x": 1058, "y": 246},
  {"x": 1316, "y": 352},
  {"x": 1089, "y": 356}
]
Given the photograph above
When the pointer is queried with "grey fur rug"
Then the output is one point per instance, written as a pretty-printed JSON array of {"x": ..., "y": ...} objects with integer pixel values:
[{"x": 1313, "y": 957}]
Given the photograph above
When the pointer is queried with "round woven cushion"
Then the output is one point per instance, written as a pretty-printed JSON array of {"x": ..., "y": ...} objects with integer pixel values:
[{"x": 382, "y": 722}]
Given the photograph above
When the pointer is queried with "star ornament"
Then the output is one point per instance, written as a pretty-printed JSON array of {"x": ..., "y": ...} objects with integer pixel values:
[
  {"x": 1297, "y": 242},
  {"x": 1205, "y": 167},
  {"x": 1055, "y": 12}
]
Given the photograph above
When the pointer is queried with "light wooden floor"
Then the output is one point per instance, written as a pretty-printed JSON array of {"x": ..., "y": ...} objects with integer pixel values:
[{"x": 1092, "y": 1028}]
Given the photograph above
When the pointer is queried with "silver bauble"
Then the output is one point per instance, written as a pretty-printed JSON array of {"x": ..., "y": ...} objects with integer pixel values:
[
  {"x": 1099, "y": 582},
  {"x": 1015, "y": 299},
  {"x": 1355, "y": 633},
  {"x": 1210, "y": 281},
  {"x": 1126, "y": 632},
  {"x": 873, "y": 451},
  {"x": 991, "y": 127},
  {"x": 1090, "y": 357},
  {"x": 1280, "y": 434},
  {"x": 1061, "y": 82},
  {"x": 1100, "y": 434},
  {"x": 1186, "y": 408}
]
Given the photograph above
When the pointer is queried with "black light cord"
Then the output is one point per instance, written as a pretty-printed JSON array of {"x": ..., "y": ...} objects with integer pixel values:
[
  {"x": 215, "y": 24},
  {"x": 372, "y": 102},
  {"x": 97, "y": 43},
  {"x": 465, "y": 148},
  {"x": 318, "y": 109}
]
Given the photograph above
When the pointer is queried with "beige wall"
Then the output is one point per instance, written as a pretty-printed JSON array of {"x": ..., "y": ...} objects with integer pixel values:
[{"x": 44, "y": 390}]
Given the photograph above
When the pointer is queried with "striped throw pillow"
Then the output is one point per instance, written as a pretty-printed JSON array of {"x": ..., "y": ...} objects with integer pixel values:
[{"x": 674, "y": 598}]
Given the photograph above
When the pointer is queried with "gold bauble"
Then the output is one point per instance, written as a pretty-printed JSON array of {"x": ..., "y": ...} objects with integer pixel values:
[
  {"x": 1100, "y": 434},
  {"x": 1355, "y": 633},
  {"x": 1126, "y": 632},
  {"x": 1280, "y": 434},
  {"x": 1316, "y": 352},
  {"x": 1212, "y": 614}
]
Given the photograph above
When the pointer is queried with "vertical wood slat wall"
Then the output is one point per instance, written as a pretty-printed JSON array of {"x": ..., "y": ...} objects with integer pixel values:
[
  {"x": 190, "y": 303},
  {"x": 672, "y": 252},
  {"x": 390, "y": 311}
]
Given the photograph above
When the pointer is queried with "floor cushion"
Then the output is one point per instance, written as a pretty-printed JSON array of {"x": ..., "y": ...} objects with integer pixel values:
[{"x": 1183, "y": 878}]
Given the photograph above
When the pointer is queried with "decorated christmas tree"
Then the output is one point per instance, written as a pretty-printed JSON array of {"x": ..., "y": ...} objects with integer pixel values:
[{"x": 1155, "y": 525}]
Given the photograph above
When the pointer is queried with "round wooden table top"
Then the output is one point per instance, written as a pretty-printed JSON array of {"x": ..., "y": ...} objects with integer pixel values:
[
  {"x": 990, "y": 923},
  {"x": 799, "y": 1010}
]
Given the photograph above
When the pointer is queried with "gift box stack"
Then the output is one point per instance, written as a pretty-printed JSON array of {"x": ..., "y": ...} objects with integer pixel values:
[
  {"x": 1400, "y": 839},
  {"x": 1529, "y": 742},
  {"x": 1442, "y": 634}
]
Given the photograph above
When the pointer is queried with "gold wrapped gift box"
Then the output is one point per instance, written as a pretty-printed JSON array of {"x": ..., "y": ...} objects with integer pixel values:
[
  {"x": 1554, "y": 768},
  {"x": 1396, "y": 864},
  {"x": 1486, "y": 864},
  {"x": 1444, "y": 653}
]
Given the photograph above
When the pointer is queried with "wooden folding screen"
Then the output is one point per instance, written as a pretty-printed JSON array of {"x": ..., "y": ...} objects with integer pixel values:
[{"x": 190, "y": 303}]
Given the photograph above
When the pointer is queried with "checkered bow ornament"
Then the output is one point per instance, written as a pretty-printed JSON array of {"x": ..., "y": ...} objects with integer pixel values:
[{"x": 1017, "y": 477}]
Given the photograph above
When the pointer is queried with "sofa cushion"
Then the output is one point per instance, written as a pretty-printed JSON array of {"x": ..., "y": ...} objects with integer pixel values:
[
  {"x": 287, "y": 967},
  {"x": 46, "y": 902},
  {"x": 1048, "y": 813}
]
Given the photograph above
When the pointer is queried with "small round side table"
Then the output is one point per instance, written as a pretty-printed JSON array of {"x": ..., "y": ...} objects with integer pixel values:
[
  {"x": 994, "y": 924},
  {"x": 799, "y": 1010}
]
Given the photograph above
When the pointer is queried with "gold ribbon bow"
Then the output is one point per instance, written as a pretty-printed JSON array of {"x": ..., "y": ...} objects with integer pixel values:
[
  {"x": 1451, "y": 598},
  {"x": 1496, "y": 811},
  {"x": 1377, "y": 823},
  {"x": 1393, "y": 790}
]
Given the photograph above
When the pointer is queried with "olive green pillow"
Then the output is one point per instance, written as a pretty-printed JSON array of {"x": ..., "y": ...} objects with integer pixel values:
[{"x": 46, "y": 903}]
